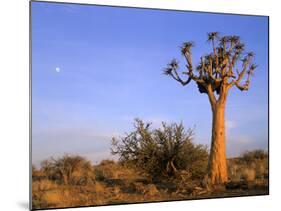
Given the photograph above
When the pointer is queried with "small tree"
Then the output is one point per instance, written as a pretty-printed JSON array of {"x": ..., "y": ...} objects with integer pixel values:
[
  {"x": 69, "y": 169},
  {"x": 161, "y": 152},
  {"x": 254, "y": 155},
  {"x": 217, "y": 73},
  {"x": 47, "y": 167}
]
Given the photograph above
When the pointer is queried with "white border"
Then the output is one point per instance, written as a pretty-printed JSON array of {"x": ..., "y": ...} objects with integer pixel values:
[{"x": 14, "y": 117}]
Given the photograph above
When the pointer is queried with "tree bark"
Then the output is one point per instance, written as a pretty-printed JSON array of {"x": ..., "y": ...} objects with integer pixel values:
[{"x": 217, "y": 168}]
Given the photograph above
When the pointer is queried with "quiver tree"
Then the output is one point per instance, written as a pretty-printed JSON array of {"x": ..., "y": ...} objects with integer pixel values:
[{"x": 225, "y": 67}]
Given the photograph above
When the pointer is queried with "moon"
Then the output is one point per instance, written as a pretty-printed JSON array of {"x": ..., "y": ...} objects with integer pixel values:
[{"x": 57, "y": 69}]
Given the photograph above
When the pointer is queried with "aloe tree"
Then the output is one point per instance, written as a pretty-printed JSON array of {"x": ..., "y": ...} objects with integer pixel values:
[{"x": 215, "y": 74}]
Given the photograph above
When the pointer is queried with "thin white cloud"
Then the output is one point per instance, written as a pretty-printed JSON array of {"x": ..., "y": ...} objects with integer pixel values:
[
  {"x": 56, "y": 142},
  {"x": 230, "y": 124},
  {"x": 243, "y": 140}
]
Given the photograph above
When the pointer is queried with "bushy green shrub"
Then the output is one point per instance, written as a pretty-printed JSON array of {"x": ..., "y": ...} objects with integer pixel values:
[{"x": 161, "y": 152}]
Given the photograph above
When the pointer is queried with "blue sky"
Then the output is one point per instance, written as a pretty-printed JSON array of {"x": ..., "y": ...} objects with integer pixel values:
[{"x": 95, "y": 69}]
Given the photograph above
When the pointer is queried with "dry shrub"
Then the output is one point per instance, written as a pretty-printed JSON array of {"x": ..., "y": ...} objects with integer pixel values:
[
  {"x": 67, "y": 195},
  {"x": 44, "y": 185},
  {"x": 139, "y": 187},
  {"x": 99, "y": 188},
  {"x": 99, "y": 193},
  {"x": 248, "y": 174},
  {"x": 262, "y": 169},
  {"x": 161, "y": 153},
  {"x": 252, "y": 165},
  {"x": 185, "y": 187},
  {"x": 151, "y": 190},
  {"x": 116, "y": 191},
  {"x": 106, "y": 169},
  {"x": 109, "y": 169},
  {"x": 233, "y": 172},
  {"x": 39, "y": 190},
  {"x": 148, "y": 190},
  {"x": 69, "y": 170},
  {"x": 252, "y": 156},
  {"x": 56, "y": 198},
  {"x": 255, "y": 165}
]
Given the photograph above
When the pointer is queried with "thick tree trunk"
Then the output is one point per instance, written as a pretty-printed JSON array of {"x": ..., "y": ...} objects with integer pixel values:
[{"x": 217, "y": 168}]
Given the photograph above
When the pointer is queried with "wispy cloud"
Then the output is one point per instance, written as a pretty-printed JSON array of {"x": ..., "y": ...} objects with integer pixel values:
[
  {"x": 56, "y": 142},
  {"x": 240, "y": 144},
  {"x": 229, "y": 124}
]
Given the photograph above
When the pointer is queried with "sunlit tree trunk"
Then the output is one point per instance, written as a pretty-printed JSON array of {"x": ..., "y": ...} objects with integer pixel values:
[{"x": 217, "y": 168}]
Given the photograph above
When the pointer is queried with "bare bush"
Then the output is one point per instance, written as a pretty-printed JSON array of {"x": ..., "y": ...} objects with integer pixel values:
[
  {"x": 251, "y": 156},
  {"x": 39, "y": 190},
  {"x": 69, "y": 170},
  {"x": 250, "y": 166},
  {"x": 109, "y": 169},
  {"x": 248, "y": 174}
]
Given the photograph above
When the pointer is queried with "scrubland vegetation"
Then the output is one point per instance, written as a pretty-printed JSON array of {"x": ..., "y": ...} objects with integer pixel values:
[{"x": 154, "y": 165}]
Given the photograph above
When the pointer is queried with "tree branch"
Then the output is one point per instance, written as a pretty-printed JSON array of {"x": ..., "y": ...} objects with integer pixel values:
[
  {"x": 174, "y": 74},
  {"x": 216, "y": 71},
  {"x": 194, "y": 78},
  {"x": 244, "y": 87},
  {"x": 211, "y": 96},
  {"x": 246, "y": 64}
]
